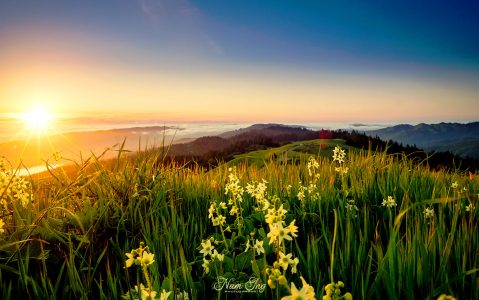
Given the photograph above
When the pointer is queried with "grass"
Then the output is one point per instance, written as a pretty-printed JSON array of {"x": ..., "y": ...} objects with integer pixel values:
[{"x": 70, "y": 242}]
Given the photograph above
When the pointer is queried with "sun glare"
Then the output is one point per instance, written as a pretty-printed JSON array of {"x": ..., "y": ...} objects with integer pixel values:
[{"x": 38, "y": 119}]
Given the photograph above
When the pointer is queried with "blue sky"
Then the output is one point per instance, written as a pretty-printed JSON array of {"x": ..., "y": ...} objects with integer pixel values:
[{"x": 193, "y": 59}]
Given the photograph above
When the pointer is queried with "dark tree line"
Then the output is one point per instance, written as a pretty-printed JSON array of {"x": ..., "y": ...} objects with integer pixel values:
[
  {"x": 208, "y": 152},
  {"x": 435, "y": 160}
]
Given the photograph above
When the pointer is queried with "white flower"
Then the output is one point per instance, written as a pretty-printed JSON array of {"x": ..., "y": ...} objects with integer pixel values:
[
  {"x": 164, "y": 295},
  {"x": 207, "y": 248},
  {"x": 428, "y": 212},
  {"x": 469, "y": 208},
  {"x": 389, "y": 203},
  {"x": 258, "y": 246},
  {"x": 339, "y": 154}
]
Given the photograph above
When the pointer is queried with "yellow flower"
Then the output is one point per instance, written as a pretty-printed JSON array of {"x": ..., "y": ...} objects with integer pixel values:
[
  {"x": 218, "y": 256},
  {"x": 277, "y": 231},
  {"x": 294, "y": 264},
  {"x": 306, "y": 292},
  {"x": 389, "y": 203},
  {"x": 219, "y": 221},
  {"x": 470, "y": 207},
  {"x": 293, "y": 229},
  {"x": 207, "y": 248},
  {"x": 339, "y": 154},
  {"x": 131, "y": 258},
  {"x": 309, "y": 289},
  {"x": 428, "y": 212},
  {"x": 348, "y": 296},
  {"x": 206, "y": 265},
  {"x": 454, "y": 185},
  {"x": 258, "y": 246},
  {"x": 446, "y": 297},
  {"x": 2, "y": 224},
  {"x": 147, "y": 258},
  {"x": 211, "y": 210},
  {"x": 145, "y": 293},
  {"x": 285, "y": 260},
  {"x": 234, "y": 210},
  {"x": 164, "y": 295}
]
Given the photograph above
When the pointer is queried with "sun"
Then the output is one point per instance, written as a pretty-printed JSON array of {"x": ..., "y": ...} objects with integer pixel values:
[{"x": 38, "y": 119}]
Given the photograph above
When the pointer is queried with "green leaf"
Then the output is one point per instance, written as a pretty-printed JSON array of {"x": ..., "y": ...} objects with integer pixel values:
[
  {"x": 261, "y": 233},
  {"x": 228, "y": 264},
  {"x": 256, "y": 269},
  {"x": 243, "y": 261}
]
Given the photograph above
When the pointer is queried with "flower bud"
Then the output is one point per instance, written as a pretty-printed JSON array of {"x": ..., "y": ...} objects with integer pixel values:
[
  {"x": 282, "y": 280},
  {"x": 348, "y": 296},
  {"x": 271, "y": 284}
]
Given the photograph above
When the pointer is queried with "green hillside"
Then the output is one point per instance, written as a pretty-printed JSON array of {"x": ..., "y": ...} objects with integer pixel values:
[
  {"x": 332, "y": 223},
  {"x": 290, "y": 153}
]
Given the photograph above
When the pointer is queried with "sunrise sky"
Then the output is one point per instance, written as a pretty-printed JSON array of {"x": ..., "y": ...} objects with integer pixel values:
[{"x": 278, "y": 61}]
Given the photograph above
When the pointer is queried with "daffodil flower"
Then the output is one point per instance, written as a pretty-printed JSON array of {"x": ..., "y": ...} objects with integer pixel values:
[
  {"x": 305, "y": 293},
  {"x": 285, "y": 260},
  {"x": 147, "y": 258},
  {"x": 130, "y": 261},
  {"x": 207, "y": 248},
  {"x": 164, "y": 295},
  {"x": 258, "y": 246}
]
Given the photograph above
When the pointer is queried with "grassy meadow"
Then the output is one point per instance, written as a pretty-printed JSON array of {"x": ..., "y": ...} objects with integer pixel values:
[{"x": 291, "y": 223}]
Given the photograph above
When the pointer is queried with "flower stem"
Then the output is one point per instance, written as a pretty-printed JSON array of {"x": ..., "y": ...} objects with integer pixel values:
[{"x": 334, "y": 241}]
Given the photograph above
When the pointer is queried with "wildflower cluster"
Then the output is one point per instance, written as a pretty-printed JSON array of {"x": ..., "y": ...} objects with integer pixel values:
[
  {"x": 313, "y": 166},
  {"x": 236, "y": 245},
  {"x": 235, "y": 191},
  {"x": 390, "y": 202},
  {"x": 257, "y": 190},
  {"x": 207, "y": 249},
  {"x": 352, "y": 208},
  {"x": 215, "y": 213},
  {"x": 15, "y": 191},
  {"x": 333, "y": 292},
  {"x": 339, "y": 155},
  {"x": 278, "y": 233},
  {"x": 310, "y": 190},
  {"x": 143, "y": 258}
]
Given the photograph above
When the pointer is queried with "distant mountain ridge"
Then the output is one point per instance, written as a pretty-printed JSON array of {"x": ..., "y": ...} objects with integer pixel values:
[
  {"x": 208, "y": 151},
  {"x": 457, "y": 138},
  {"x": 242, "y": 140},
  {"x": 268, "y": 128}
]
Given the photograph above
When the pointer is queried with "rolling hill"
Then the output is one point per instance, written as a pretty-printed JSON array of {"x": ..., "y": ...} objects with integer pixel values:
[{"x": 457, "y": 138}]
